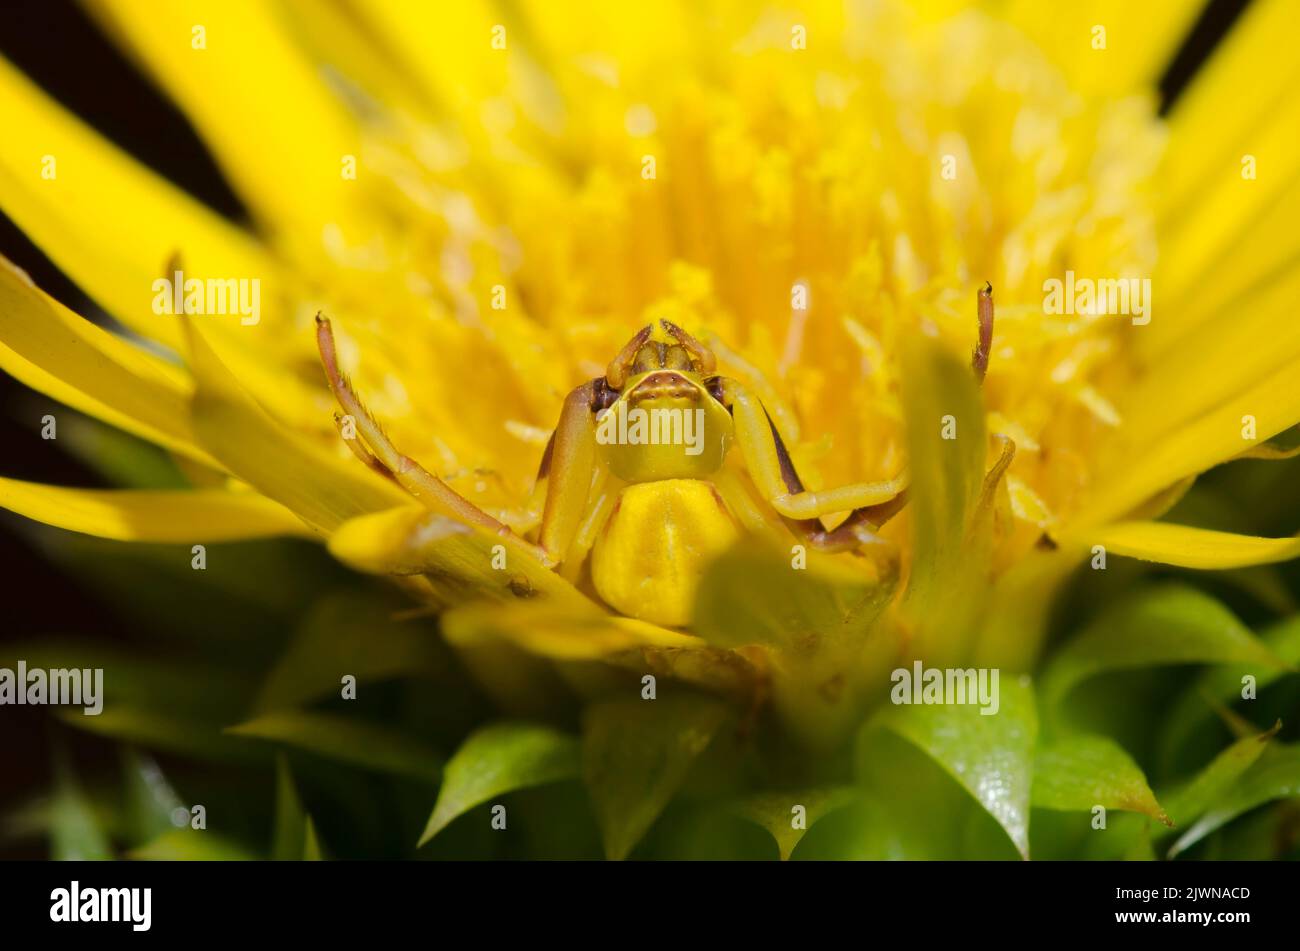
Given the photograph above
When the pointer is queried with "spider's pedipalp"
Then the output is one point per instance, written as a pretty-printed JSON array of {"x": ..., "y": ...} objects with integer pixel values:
[
  {"x": 704, "y": 359},
  {"x": 616, "y": 372}
]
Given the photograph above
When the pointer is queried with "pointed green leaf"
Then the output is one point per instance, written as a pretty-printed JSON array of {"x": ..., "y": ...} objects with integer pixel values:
[
  {"x": 151, "y": 801},
  {"x": 352, "y": 632},
  {"x": 1081, "y": 771},
  {"x": 122, "y": 459},
  {"x": 991, "y": 756},
  {"x": 190, "y": 845},
  {"x": 635, "y": 756},
  {"x": 788, "y": 815},
  {"x": 347, "y": 740},
  {"x": 1171, "y": 624},
  {"x": 909, "y": 809},
  {"x": 1224, "y": 684},
  {"x": 156, "y": 730},
  {"x": 1140, "y": 850},
  {"x": 288, "y": 830},
  {"x": 311, "y": 850},
  {"x": 1219, "y": 792},
  {"x": 185, "y": 689},
  {"x": 498, "y": 759},
  {"x": 947, "y": 446},
  {"x": 75, "y": 830}
]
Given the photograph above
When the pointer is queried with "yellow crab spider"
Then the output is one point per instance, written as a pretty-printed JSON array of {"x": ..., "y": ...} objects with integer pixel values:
[{"x": 636, "y": 485}]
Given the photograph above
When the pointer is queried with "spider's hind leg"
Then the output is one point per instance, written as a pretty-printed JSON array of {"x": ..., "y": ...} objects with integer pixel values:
[{"x": 855, "y": 533}]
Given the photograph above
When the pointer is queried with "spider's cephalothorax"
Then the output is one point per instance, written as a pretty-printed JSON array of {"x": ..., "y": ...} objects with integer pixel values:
[
  {"x": 636, "y": 481},
  {"x": 662, "y": 420}
]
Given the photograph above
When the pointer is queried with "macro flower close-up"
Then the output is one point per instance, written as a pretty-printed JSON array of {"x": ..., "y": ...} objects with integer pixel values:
[{"x": 854, "y": 430}]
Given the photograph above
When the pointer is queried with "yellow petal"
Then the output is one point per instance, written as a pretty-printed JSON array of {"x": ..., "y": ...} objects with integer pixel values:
[
  {"x": 1272, "y": 405},
  {"x": 187, "y": 516},
  {"x": 447, "y": 48},
  {"x": 560, "y": 633},
  {"x": 115, "y": 228},
  {"x": 1244, "y": 262},
  {"x": 50, "y": 348},
  {"x": 1190, "y": 547},
  {"x": 323, "y": 489},
  {"x": 329, "y": 33},
  {"x": 1228, "y": 190},
  {"x": 1212, "y": 117},
  {"x": 108, "y": 222},
  {"x": 1259, "y": 335},
  {"x": 259, "y": 105},
  {"x": 1203, "y": 238},
  {"x": 1139, "y": 39},
  {"x": 460, "y": 561}
]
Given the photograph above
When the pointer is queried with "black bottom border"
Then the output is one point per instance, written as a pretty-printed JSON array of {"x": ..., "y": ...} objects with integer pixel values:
[{"x": 334, "y": 900}]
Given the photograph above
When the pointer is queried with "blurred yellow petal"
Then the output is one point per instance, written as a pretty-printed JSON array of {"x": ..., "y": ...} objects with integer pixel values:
[
  {"x": 631, "y": 44},
  {"x": 1267, "y": 407},
  {"x": 324, "y": 489},
  {"x": 560, "y": 632},
  {"x": 1027, "y": 505},
  {"x": 449, "y": 50},
  {"x": 1230, "y": 208},
  {"x": 70, "y": 359},
  {"x": 1212, "y": 121},
  {"x": 460, "y": 561},
  {"x": 116, "y": 228},
  {"x": 1138, "y": 42},
  {"x": 329, "y": 31},
  {"x": 30, "y": 375},
  {"x": 1190, "y": 547},
  {"x": 107, "y": 221},
  {"x": 259, "y": 105},
  {"x": 1243, "y": 265},
  {"x": 1222, "y": 359},
  {"x": 1229, "y": 194},
  {"x": 183, "y": 516}
]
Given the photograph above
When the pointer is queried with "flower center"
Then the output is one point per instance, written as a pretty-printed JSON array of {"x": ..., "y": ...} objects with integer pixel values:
[{"x": 802, "y": 208}]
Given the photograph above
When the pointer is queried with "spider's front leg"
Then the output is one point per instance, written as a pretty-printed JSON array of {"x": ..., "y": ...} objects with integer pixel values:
[
  {"x": 571, "y": 469},
  {"x": 869, "y": 504},
  {"x": 373, "y": 447}
]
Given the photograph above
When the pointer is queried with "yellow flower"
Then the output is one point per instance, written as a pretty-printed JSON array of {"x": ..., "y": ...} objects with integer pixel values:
[{"x": 488, "y": 201}]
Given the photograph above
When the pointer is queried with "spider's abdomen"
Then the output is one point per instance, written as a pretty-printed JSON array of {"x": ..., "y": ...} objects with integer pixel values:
[{"x": 648, "y": 559}]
